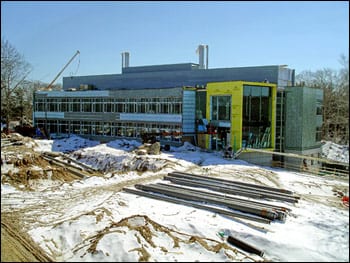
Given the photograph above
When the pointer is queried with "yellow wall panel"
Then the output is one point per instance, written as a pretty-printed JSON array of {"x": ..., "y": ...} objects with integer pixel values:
[{"x": 235, "y": 89}]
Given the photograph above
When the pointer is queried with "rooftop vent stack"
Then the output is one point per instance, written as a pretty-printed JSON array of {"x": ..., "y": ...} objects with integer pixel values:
[
  {"x": 206, "y": 64},
  {"x": 125, "y": 59},
  {"x": 201, "y": 54}
]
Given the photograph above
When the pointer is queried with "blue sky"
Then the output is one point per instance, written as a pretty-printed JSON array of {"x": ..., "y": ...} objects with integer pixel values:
[{"x": 305, "y": 35}]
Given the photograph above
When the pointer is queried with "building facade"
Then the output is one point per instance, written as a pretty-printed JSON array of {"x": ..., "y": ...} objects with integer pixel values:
[
  {"x": 242, "y": 114},
  {"x": 239, "y": 107},
  {"x": 110, "y": 114},
  {"x": 239, "y": 114}
]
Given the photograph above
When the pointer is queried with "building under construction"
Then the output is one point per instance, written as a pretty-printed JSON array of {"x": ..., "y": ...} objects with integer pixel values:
[{"x": 240, "y": 107}]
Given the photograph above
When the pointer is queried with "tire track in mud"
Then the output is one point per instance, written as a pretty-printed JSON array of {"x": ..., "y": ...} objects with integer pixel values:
[
  {"x": 34, "y": 209},
  {"x": 39, "y": 203},
  {"x": 17, "y": 246}
]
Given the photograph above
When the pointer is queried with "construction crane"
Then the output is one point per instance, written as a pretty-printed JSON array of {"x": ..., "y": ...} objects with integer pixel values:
[
  {"x": 46, "y": 131},
  {"x": 52, "y": 82}
]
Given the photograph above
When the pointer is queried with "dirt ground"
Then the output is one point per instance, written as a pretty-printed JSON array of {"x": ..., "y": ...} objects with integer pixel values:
[{"x": 16, "y": 245}]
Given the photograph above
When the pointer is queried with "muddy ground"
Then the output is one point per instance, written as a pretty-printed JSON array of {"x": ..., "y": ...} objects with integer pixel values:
[{"x": 16, "y": 245}]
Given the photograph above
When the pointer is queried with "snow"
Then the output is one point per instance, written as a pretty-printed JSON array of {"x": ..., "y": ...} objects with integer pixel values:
[
  {"x": 335, "y": 152},
  {"x": 92, "y": 220}
]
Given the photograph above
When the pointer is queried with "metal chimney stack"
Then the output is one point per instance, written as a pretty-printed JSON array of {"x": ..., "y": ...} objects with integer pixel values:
[
  {"x": 206, "y": 64},
  {"x": 202, "y": 54},
  {"x": 125, "y": 59}
]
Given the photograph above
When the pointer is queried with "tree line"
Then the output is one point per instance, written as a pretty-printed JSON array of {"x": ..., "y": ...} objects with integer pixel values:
[
  {"x": 17, "y": 92},
  {"x": 335, "y": 85}
]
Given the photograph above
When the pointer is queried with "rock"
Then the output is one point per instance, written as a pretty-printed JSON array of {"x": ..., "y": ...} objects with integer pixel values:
[
  {"x": 154, "y": 148},
  {"x": 141, "y": 152}
]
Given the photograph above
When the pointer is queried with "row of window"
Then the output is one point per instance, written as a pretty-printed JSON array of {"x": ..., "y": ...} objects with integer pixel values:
[
  {"x": 117, "y": 105},
  {"x": 117, "y": 129}
]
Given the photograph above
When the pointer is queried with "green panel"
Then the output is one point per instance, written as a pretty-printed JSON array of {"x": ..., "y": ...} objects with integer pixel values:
[{"x": 301, "y": 118}]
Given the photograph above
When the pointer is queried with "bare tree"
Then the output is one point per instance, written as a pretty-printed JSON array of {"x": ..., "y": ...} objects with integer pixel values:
[
  {"x": 335, "y": 87},
  {"x": 14, "y": 71},
  {"x": 23, "y": 104},
  {"x": 343, "y": 99}
]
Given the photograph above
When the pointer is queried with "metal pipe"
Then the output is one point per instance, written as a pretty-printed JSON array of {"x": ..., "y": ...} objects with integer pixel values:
[
  {"x": 234, "y": 189},
  {"x": 234, "y": 182},
  {"x": 73, "y": 171},
  {"x": 281, "y": 215},
  {"x": 247, "y": 186},
  {"x": 266, "y": 213},
  {"x": 243, "y": 245},
  {"x": 231, "y": 190},
  {"x": 208, "y": 208},
  {"x": 231, "y": 198}
]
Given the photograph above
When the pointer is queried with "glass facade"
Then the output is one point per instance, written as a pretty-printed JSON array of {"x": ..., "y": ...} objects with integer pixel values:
[
  {"x": 256, "y": 116},
  {"x": 81, "y": 106},
  {"x": 171, "y": 105}
]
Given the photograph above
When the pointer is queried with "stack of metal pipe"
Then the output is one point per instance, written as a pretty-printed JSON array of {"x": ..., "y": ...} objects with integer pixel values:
[{"x": 224, "y": 196}]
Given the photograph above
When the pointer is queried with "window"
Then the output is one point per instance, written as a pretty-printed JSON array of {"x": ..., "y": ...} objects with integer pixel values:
[
  {"x": 221, "y": 108},
  {"x": 63, "y": 127},
  {"x": 86, "y": 127},
  {"x": 98, "y": 105},
  {"x": 318, "y": 134},
  {"x": 87, "y": 105},
  {"x": 40, "y": 105},
  {"x": 319, "y": 107},
  {"x": 76, "y": 127},
  {"x": 256, "y": 116},
  {"x": 76, "y": 105},
  {"x": 52, "y": 105},
  {"x": 64, "y": 105}
]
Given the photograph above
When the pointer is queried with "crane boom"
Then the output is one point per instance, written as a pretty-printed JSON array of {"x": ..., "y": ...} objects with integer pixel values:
[{"x": 49, "y": 86}]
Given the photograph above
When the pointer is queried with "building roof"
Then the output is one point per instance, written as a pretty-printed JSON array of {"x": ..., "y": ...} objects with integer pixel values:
[{"x": 179, "y": 75}]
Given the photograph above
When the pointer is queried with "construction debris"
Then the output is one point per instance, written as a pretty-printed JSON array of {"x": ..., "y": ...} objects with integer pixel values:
[
  {"x": 20, "y": 164},
  {"x": 148, "y": 148}
]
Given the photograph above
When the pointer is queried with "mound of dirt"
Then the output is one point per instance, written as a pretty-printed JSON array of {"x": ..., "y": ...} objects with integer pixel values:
[{"x": 20, "y": 163}]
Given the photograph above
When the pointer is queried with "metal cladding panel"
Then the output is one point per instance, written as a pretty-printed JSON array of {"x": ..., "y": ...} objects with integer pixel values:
[
  {"x": 286, "y": 77},
  {"x": 188, "y": 111},
  {"x": 148, "y": 93},
  {"x": 155, "y": 118},
  {"x": 73, "y": 94},
  {"x": 294, "y": 118},
  {"x": 90, "y": 116},
  {"x": 174, "y": 78},
  {"x": 155, "y": 68},
  {"x": 49, "y": 115},
  {"x": 301, "y": 118},
  {"x": 138, "y": 93}
]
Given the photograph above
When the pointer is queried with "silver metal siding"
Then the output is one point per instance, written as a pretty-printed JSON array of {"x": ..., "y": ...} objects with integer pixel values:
[{"x": 188, "y": 111}]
